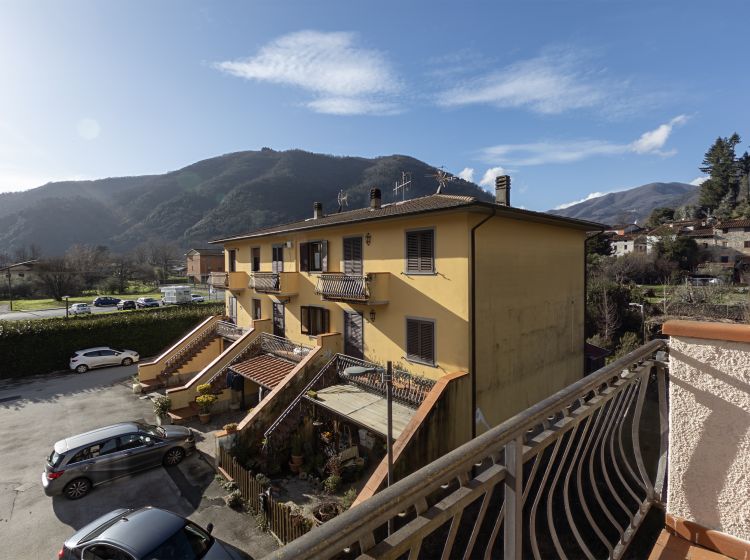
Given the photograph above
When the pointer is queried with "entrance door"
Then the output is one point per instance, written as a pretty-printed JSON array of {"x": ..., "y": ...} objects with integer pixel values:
[
  {"x": 277, "y": 258},
  {"x": 353, "y": 256},
  {"x": 278, "y": 319},
  {"x": 354, "y": 340}
]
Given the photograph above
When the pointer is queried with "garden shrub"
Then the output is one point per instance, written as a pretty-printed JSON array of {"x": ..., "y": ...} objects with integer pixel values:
[{"x": 44, "y": 345}]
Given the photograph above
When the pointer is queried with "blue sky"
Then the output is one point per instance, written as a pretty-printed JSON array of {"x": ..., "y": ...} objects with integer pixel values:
[{"x": 568, "y": 97}]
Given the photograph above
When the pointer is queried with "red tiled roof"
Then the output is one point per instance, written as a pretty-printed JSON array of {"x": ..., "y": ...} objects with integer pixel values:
[
  {"x": 265, "y": 370},
  {"x": 734, "y": 224}
]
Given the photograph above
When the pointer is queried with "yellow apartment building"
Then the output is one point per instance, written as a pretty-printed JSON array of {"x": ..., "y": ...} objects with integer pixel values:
[{"x": 437, "y": 285}]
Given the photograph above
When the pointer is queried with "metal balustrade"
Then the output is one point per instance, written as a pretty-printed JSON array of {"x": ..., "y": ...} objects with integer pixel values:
[
  {"x": 570, "y": 477},
  {"x": 343, "y": 287},
  {"x": 266, "y": 282},
  {"x": 229, "y": 330},
  {"x": 218, "y": 279}
]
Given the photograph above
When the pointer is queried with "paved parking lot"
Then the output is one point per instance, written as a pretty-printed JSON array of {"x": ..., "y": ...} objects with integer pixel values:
[{"x": 35, "y": 413}]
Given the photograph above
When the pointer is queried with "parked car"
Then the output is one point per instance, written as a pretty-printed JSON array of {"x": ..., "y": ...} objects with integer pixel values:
[
  {"x": 80, "y": 462},
  {"x": 102, "y": 356},
  {"x": 197, "y": 298},
  {"x": 126, "y": 304},
  {"x": 146, "y": 533},
  {"x": 80, "y": 309},
  {"x": 105, "y": 301},
  {"x": 147, "y": 302}
]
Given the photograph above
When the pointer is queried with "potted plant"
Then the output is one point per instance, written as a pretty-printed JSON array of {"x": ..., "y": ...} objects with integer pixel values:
[
  {"x": 137, "y": 387},
  {"x": 205, "y": 400},
  {"x": 162, "y": 404},
  {"x": 297, "y": 455}
]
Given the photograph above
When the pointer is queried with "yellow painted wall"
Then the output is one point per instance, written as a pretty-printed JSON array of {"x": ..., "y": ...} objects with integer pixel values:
[
  {"x": 203, "y": 358},
  {"x": 441, "y": 296},
  {"x": 530, "y": 301}
]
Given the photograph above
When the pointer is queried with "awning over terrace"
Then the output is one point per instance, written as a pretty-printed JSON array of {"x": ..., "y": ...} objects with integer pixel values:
[
  {"x": 265, "y": 370},
  {"x": 364, "y": 408}
]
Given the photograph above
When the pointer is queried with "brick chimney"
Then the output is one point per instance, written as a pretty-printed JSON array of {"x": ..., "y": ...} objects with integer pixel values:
[
  {"x": 502, "y": 190},
  {"x": 317, "y": 210},
  {"x": 374, "y": 199}
]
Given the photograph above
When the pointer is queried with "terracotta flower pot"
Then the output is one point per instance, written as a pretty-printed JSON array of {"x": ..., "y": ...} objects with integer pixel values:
[
  {"x": 204, "y": 417},
  {"x": 298, "y": 459},
  {"x": 293, "y": 467}
]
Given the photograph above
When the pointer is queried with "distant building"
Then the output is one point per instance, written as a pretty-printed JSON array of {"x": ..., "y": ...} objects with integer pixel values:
[{"x": 202, "y": 262}]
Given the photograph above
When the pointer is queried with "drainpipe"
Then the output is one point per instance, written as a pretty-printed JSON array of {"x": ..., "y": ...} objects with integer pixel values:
[{"x": 472, "y": 306}]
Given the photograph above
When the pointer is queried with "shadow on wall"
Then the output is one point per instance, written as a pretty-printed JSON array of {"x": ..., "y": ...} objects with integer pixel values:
[{"x": 714, "y": 454}]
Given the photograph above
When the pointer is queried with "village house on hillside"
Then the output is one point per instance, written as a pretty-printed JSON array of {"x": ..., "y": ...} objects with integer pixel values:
[{"x": 202, "y": 262}]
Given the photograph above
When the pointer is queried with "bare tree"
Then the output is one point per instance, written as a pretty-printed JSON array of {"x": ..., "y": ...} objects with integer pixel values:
[
  {"x": 57, "y": 278},
  {"x": 123, "y": 270},
  {"x": 91, "y": 263}
]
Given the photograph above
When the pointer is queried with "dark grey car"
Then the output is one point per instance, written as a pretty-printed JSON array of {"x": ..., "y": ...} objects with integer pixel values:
[
  {"x": 145, "y": 534},
  {"x": 78, "y": 463}
]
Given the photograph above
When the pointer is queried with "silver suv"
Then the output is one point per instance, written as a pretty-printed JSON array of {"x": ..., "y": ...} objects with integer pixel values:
[{"x": 80, "y": 462}]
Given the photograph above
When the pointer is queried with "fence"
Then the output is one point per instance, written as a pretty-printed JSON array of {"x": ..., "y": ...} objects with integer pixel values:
[
  {"x": 281, "y": 520},
  {"x": 343, "y": 286}
]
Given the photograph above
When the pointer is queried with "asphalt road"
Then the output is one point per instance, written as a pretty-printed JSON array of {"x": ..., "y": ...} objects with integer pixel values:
[
  {"x": 35, "y": 412},
  {"x": 46, "y": 313}
]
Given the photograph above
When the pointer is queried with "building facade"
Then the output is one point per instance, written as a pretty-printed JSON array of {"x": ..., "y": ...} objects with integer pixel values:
[{"x": 202, "y": 262}]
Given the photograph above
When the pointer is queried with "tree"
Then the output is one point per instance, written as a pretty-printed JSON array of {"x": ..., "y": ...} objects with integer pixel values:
[
  {"x": 660, "y": 216},
  {"x": 90, "y": 262},
  {"x": 720, "y": 163},
  {"x": 681, "y": 250},
  {"x": 123, "y": 270},
  {"x": 599, "y": 244},
  {"x": 57, "y": 278}
]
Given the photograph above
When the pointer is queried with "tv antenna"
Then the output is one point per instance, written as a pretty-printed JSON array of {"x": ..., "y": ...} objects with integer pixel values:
[
  {"x": 343, "y": 199},
  {"x": 442, "y": 177},
  {"x": 403, "y": 185}
]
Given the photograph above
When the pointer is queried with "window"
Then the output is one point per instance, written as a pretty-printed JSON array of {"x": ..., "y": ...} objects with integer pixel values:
[
  {"x": 315, "y": 320},
  {"x": 723, "y": 243},
  {"x": 277, "y": 258},
  {"x": 257, "y": 310},
  {"x": 353, "y": 256},
  {"x": 105, "y": 552},
  {"x": 188, "y": 543},
  {"x": 232, "y": 260},
  {"x": 705, "y": 245},
  {"x": 96, "y": 450},
  {"x": 313, "y": 256},
  {"x": 255, "y": 259},
  {"x": 420, "y": 341},
  {"x": 747, "y": 244},
  {"x": 420, "y": 251},
  {"x": 130, "y": 441},
  {"x": 724, "y": 259}
]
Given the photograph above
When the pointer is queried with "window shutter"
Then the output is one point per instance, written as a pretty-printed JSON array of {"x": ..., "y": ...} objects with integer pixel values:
[
  {"x": 324, "y": 256},
  {"x": 427, "y": 341},
  {"x": 326, "y": 319},
  {"x": 304, "y": 257},
  {"x": 412, "y": 251},
  {"x": 412, "y": 338},
  {"x": 426, "y": 251},
  {"x": 305, "y": 312},
  {"x": 353, "y": 256}
]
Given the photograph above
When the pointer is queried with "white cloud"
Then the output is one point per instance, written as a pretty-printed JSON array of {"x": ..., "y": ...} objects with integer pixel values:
[
  {"x": 88, "y": 129},
  {"x": 539, "y": 153},
  {"x": 554, "y": 82},
  {"x": 467, "y": 174},
  {"x": 344, "y": 78},
  {"x": 488, "y": 179},
  {"x": 698, "y": 181},
  {"x": 588, "y": 197}
]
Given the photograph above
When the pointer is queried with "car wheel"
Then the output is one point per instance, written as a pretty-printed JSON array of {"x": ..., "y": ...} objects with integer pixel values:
[
  {"x": 82, "y": 368},
  {"x": 127, "y": 361},
  {"x": 77, "y": 488},
  {"x": 173, "y": 457}
]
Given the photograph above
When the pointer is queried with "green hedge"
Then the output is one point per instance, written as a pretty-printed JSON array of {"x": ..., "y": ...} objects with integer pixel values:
[{"x": 45, "y": 345}]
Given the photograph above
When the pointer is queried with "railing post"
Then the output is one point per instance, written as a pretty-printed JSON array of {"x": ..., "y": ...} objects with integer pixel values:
[{"x": 513, "y": 534}]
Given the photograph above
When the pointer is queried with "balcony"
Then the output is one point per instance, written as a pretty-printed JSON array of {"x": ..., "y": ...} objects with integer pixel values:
[
  {"x": 276, "y": 283},
  {"x": 237, "y": 281},
  {"x": 371, "y": 289},
  {"x": 217, "y": 280},
  {"x": 575, "y": 475}
]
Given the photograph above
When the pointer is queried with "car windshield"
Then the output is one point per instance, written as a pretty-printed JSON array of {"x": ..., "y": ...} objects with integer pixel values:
[
  {"x": 189, "y": 543},
  {"x": 54, "y": 459},
  {"x": 153, "y": 430}
]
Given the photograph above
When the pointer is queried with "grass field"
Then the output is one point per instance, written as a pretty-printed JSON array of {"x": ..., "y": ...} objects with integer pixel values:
[{"x": 36, "y": 304}]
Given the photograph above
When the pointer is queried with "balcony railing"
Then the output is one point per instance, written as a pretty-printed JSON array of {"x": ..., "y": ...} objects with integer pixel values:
[
  {"x": 229, "y": 330},
  {"x": 570, "y": 477},
  {"x": 217, "y": 280},
  {"x": 370, "y": 289},
  {"x": 280, "y": 283}
]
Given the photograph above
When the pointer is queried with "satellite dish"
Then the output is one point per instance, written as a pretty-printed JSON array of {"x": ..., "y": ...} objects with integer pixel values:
[
  {"x": 442, "y": 177},
  {"x": 343, "y": 199}
]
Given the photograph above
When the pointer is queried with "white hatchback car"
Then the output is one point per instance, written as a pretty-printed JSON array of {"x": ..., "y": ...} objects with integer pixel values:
[
  {"x": 101, "y": 356},
  {"x": 80, "y": 309}
]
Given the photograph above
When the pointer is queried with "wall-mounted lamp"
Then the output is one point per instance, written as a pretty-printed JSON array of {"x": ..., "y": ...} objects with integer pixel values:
[
  {"x": 372, "y": 315},
  {"x": 368, "y": 238}
]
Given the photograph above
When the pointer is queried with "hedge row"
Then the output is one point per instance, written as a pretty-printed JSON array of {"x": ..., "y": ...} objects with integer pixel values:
[{"x": 44, "y": 345}]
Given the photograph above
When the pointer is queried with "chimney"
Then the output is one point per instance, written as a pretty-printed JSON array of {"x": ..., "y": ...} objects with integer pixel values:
[
  {"x": 374, "y": 199},
  {"x": 317, "y": 210},
  {"x": 502, "y": 190}
]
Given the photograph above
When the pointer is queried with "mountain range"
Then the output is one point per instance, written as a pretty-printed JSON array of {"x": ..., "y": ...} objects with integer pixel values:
[
  {"x": 218, "y": 197},
  {"x": 633, "y": 205}
]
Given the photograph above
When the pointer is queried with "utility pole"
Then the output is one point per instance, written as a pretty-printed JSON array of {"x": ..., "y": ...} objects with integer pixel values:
[{"x": 10, "y": 291}]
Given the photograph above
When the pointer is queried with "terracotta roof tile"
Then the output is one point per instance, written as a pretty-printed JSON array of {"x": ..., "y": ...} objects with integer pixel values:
[
  {"x": 734, "y": 224},
  {"x": 265, "y": 370}
]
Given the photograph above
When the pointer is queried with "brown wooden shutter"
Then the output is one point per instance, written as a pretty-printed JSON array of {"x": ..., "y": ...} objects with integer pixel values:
[
  {"x": 412, "y": 251},
  {"x": 426, "y": 251},
  {"x": 326, "y": 321},
  {"x": 305, "y": 319},
  {"x": 412, "y": 338},
  {"x": 353, "y": 256},
  {"x": 427, "y": 341},
  {"x": 304, "y": 257},
  {"x": 324, "y": 256}
]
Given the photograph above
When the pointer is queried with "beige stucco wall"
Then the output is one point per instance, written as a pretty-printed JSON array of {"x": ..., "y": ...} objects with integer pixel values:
[{"x": 709, "y": 440}]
